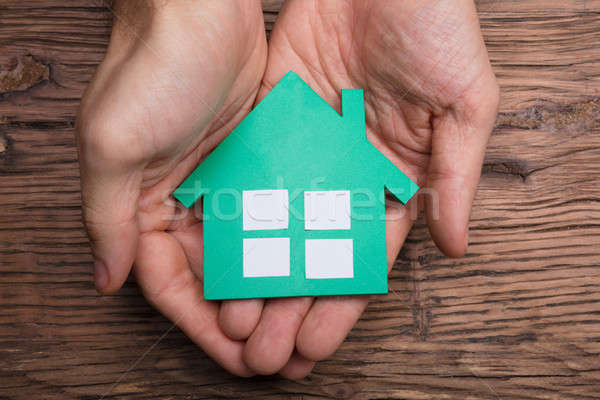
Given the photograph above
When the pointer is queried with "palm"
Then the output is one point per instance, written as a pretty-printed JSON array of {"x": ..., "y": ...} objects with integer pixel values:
[
  {"x": 400, "y": 55},
  {"x": 197, "y": 118}
]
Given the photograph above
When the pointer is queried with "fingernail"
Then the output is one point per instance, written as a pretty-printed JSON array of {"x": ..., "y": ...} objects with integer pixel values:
[{"x": 100, "y": 275}]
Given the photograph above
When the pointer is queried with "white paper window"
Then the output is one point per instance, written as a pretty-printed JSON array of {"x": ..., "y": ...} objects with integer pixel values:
[
  {"x": 266, "y": 257},
  {"x": 329, "y": 258},
  {"x": 327, "y": 210},
  {"x": 265, "y": 209}
]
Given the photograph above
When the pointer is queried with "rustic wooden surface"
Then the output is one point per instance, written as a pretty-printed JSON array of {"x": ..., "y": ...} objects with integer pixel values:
[{"x": 517, "y": 318}]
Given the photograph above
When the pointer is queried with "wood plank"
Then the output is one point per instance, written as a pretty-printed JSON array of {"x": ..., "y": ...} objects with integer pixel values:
[{"x": 517, "y": 318}]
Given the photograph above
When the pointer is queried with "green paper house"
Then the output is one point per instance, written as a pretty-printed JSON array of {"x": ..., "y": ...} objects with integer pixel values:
[{"x": 293, "y": 200}]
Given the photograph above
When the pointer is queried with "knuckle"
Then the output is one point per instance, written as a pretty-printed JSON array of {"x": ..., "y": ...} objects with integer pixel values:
[
  {"x": 165, "y": 290},
  {"x": 102, "y": 221},
  {"x": 480, "y": 106},
  {"x": 107, "y": 140},
  {"x": 495, "y": 95},
  {"x": 92, "y": 228},
  {"x": 438, "y": 174},
  {"x": 92, "y": 220}
]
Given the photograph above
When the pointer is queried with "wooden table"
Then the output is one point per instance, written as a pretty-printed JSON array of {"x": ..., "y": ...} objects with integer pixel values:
[{"x": 517, "y": 318}]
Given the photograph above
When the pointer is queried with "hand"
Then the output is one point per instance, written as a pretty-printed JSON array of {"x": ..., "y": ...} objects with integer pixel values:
[
  {"x": 431, "y": 101},
  {"x": 177, "y": 78}
]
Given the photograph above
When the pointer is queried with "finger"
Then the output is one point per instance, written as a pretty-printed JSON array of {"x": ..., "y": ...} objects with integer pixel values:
[
  {"x": 458, "y": 148},
  {"x": 297, "y": 367},
  {"x": 238, "y": 318},
  {"x": 330, "y": 319},
  {"x": 168, "y": 283},
  {"x": 110, "y": 191},
  {"x": 271, "y": 344}
]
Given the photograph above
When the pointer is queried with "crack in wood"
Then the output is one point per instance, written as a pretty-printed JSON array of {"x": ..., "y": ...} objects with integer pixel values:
[
  {"x": 3, "y": 139},
  {"x": 571, "y": 117},
  {"x": 512, "y": 167},
  {"x": 27, "y": 73},
  {"x": 3, "y": 144},
  {"x": 420, "y": 310}
]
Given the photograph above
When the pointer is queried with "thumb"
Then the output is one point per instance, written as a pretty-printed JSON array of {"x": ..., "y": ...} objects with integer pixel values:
[
  {"x": 458, "y": 148},
  {"x": 110, "y": 187}
]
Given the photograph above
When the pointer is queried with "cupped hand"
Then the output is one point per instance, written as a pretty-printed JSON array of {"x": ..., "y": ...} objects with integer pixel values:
[
  {"x": 178, "y": 76},
  {"x": 431, "y": 101}
]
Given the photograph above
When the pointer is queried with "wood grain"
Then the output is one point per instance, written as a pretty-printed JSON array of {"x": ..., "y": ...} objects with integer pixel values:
[{"x": 517, "y": 318}]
